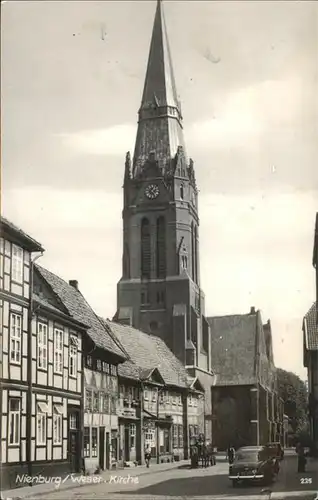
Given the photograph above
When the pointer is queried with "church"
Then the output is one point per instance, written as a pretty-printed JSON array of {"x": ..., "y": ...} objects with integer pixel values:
[{"x": 159, "y": 291}]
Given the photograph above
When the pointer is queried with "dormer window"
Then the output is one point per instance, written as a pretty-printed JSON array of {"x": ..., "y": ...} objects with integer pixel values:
[{"x": 181, "y": 192}]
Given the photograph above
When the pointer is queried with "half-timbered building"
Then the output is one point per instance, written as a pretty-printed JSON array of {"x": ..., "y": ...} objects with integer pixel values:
[
  {"x": 16, "y": 253},
  {"x": 102, "y": 353},
  {"x": 154, "y": 393}
]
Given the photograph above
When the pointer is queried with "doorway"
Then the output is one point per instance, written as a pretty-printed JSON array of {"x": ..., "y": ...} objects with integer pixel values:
[
  {"x": 74, "y": 448},
  {"x": 127, "y": 449},
  {"x": 107, "y": 451},
  {"x": 102, "y": 448}
]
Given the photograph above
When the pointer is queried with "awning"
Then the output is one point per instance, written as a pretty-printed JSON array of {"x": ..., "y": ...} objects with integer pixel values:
[{"x": 43, "y": 407}]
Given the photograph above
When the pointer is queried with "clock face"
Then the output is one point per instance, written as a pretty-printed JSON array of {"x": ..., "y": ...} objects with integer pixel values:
[{"x": 152, "y": 191}]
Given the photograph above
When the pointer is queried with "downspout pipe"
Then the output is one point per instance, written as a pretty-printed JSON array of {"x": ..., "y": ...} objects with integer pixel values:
[{"x": 29, "y": 372}]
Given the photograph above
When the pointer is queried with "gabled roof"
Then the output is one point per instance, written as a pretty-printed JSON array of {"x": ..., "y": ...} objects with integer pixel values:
[
  {"x": 310, "y": 328},
  {"x": 233, "y": 348},
  {"x": 80, "y": 310},
  {"x": 147, "y": 352},
  {"x": 150, "y": 374},
  {"x": 8, "y": 228}
]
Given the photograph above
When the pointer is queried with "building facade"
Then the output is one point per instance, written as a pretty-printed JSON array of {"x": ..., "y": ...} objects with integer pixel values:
[
  {"x": 102, "y": 355},
  {"x": 159, "y": 406},
  {"x": 159, "y": 291},
  {"x": 246, "y": 406},
  {"x": 41, "y": 370},
  {"x": 310, "y": 346}
]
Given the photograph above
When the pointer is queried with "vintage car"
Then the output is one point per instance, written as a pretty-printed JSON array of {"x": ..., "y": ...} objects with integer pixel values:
[
  {"x": 276, "y": 450},
  {"x": 253, "y": 464}
]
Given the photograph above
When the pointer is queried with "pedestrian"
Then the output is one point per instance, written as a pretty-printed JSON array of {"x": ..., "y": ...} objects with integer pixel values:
[
  {"x": 231, "y": 454},
  {"x": 301, "y": 458},
  {"x": 147, "y": 455}
]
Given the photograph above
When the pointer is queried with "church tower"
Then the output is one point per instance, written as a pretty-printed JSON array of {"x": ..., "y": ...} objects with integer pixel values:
[{"x": 159, "y": 291}]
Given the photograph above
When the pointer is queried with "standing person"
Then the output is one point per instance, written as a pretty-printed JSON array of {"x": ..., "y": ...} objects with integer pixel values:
[
  {"x": 231, "y": 454},
  {"x": 301, "y": 458},
  {"x": 147, "y": 455}
]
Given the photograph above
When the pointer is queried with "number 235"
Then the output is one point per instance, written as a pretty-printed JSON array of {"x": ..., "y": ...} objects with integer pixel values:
[{"x": 305, "y": 480}]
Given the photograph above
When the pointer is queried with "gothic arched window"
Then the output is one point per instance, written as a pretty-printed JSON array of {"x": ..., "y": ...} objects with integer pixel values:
[
  {"x": 181, "y": 192},
  {"x": 161, "y": 248},
  {"x": 196, "y": 254},
  {"x": 192, "y": 253},
  {"x": 145, "y": 254}
]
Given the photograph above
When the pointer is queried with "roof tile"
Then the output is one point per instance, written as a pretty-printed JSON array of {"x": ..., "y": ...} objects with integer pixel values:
[
  {"x": 81, "y": 311},
  {"x": 312, "y": 328},
  {"x": 147, "y": 352}
]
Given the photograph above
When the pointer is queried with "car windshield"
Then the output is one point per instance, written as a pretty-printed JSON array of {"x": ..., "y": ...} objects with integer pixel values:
[{"x": 248, "y": 456}]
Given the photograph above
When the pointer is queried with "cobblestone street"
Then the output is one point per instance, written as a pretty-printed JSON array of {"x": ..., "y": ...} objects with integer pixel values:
[{"x": 195, "y": 484}]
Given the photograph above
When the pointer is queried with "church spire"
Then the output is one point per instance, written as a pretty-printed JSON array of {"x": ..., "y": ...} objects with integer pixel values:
[
  {"x": 160, "y": 86},
  {"x": 160, "y": 120}
]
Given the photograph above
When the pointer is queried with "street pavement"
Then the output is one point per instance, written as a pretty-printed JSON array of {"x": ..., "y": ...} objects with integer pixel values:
[{"x": 179, "y": 482}]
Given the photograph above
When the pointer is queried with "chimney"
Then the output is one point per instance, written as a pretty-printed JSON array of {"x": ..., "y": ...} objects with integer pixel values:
[
  {"x": 74, "y": 284},
  {"x": 252, "y": 311}
]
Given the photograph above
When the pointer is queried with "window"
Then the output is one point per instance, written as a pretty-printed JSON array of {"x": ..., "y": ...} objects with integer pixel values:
[
  {"x": 94, "y": 441},
  {"x": 181, "y": 192},
  {"x": 42, "y": 346},
  {"x": 146, "y": 394},
  {"x": 106, "y": 404},
  {"x": 144, "y": 297},
  {"x": 179, "y": 400},
  {"x": 154, "y": 395},
  {"x": 175, "y": 436},
  {"x": 15, "y": 338},
  {"x": 113, "y": 370},
  {"x": 113, "y": 405},
  {"x": 145, "y": 253},
  {"x": 174, "y": 399},
  {"x": 86, "y": 443},
  {"x": 14, "y": 420},
  {"x": 88, "y": 361},
  {"x": 161, "y": 248},
  {"x": 73, "y": 421},
  {"x": 162, "y": 397},
  {"x": 184, "y": 261},
  {"x": 132, "y": 434},
  {"x": 58, "y": 350},
  {"x": 180, "y": 440},
  {"x": 105, "y": 367},
  {"x": 166, "y": 441},
  {"x": 88, "y": 400},
  {"x": 196, "y": 430},
  {"x": 190, "y": 400},
  {"x": 115, "y": 384},
  {"x": 99, "y": 364},
  {"x": 42, "y": 410},
  {"x": 110, "y": 384},
  {"x": 17, "y": 263},
  {"x": 73, "y": 360},
  {"x": 96, "y": 402},
  {"x": 57, "y": 424}
]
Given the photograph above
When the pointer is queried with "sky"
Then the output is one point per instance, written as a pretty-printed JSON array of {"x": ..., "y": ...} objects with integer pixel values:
[{"x": 72, "y": 80}]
